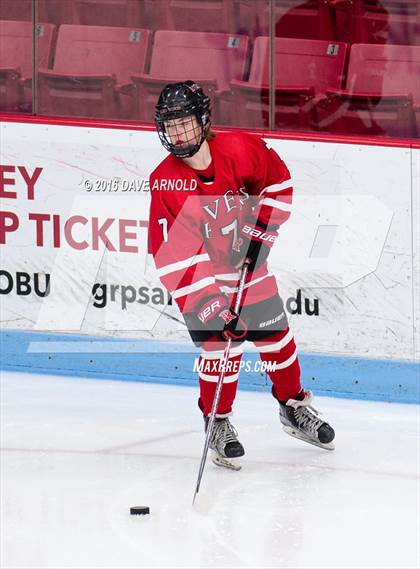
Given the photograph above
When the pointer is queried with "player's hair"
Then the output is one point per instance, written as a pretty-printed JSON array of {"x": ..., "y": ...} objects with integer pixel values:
[{"x": 210, "y": 135}]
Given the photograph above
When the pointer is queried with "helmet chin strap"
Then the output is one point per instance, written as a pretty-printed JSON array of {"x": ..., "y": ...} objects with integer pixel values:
[
  {"x": 187, "y": 152},
  {"x": 178, "y": 150}
]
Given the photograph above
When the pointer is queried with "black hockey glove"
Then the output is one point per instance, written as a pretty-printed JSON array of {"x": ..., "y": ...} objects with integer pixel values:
[
  {"x": 218, "y": 318},
  {"x": 254, "y": 243}
]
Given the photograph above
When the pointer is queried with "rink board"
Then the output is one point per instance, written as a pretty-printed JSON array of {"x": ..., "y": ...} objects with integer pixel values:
[
  {"x": 152, "y": 362},
  {"x": 350, "y": 280}
]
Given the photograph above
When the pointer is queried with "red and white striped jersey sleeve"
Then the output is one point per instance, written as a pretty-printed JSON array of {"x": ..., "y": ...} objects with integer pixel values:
[
  {"x": 272, "y": 185},
  {"x": 178, "y": 249}
]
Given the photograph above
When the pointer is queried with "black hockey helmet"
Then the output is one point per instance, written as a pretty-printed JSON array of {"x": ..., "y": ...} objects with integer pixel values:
[{"x": 178, "y": 100}]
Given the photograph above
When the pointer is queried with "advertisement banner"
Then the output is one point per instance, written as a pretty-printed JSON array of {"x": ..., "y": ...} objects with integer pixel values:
[{"x": 74, "y": 248}]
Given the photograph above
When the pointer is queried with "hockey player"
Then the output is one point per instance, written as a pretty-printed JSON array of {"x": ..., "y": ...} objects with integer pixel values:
[{"x": 217, "y": 200}]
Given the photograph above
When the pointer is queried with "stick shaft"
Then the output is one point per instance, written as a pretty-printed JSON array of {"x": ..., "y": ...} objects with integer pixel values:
[{"x": 218, "y": 392}]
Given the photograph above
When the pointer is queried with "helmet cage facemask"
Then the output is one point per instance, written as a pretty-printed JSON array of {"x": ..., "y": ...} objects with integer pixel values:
[{"x": 200, "y": 129}]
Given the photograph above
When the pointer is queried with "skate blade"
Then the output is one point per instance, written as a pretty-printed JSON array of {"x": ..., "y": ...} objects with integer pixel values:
[
  {"x": 230, "y": 463},
  {"x": 293, "y": 433}
]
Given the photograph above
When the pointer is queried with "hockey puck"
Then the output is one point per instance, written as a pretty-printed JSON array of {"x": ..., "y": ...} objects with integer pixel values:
[{"x": 139, "y": 510}]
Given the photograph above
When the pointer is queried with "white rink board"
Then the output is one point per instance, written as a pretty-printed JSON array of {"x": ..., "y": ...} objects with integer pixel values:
[{"x": 348, "y": 244}]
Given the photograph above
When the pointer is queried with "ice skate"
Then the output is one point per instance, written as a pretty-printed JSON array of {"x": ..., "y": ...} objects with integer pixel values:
[
  {"x": 301, "y": 420},
  {"x": 224, "y": 444}
]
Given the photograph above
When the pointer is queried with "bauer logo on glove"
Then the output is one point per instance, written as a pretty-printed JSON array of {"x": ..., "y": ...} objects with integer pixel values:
[
  {"x": 254, "y": 245},
  {"x": 259, "y": 235}
]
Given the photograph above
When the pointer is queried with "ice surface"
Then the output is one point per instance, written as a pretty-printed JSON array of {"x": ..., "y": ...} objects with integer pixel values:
[{"x": 76, "y": 454}]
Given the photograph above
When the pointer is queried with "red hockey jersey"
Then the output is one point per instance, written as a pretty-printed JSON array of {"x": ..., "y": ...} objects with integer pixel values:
[{"x": 193, "y": 224}]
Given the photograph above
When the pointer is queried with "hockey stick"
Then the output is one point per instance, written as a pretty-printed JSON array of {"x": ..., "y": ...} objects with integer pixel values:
[{"x": 212, "y": 416}]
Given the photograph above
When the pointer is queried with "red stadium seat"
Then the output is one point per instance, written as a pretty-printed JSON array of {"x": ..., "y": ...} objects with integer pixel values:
[
  {"x": 192, "y": 15},
  {"x": 109, "y": 13},
  {"x": 381, "y": 90},
  {"x": 16, "y": 43},
  {"x": 56, "y": 11},
  {"x": 211, "y": 59},
  {"x": 312, "y": 19},
  {"x": 304, "y": 70},
  {"x": 403, "y": 7},
  {"x": 124, "y": 13},
  {"x": 387, "y": 28},
  {"x": 372, "y": 21},
  {"x": 92, "y": 66},
  {"x": 20, "y": 10}
]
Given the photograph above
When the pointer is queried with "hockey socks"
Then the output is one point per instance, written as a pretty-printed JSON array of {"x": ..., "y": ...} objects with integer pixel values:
[{"x": 279, "y": 351}]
